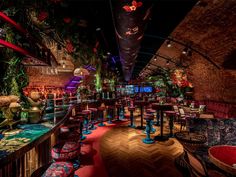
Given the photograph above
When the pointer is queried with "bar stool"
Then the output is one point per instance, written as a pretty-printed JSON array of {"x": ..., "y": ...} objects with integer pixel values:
[
  {"x": 70, "y": 130},
  {"x": 62, "y": 169},
  {"x": 86, "y": 114},
  {"x": 122, "y": 110},
  {"x": 69, "y": 136},
  {"x": 93, "y": 117},
  {"x": 80, "y": 117},
  {"x": 131, "y": 110},
  {"x": 118, "y": 108},
  {"x": 101, "y": 117},
  {"x": 148, "y": 118},
  {"x": 110, "y": 113},
  {"x": 151, "y": 111},
  {"x": 171, "y": 115},
  {"x": 67, "y": 152}
]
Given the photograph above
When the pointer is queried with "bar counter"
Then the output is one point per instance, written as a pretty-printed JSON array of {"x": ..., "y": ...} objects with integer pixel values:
[{"x": 24, "y": 152}]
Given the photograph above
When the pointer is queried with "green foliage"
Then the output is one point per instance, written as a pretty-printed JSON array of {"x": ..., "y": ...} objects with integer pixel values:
[{"x": 13, "y": 77}]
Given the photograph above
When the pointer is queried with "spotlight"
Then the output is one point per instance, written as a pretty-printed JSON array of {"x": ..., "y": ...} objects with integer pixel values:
[
  {"x": 63, "y": 65},
  {"x": 155, "y": 58},
  {"x": 168, "y": 43},
  {"x": 98, "y": 29},
  {"x": 167, "y": 62},
  {"x": 185, "y": 51}
]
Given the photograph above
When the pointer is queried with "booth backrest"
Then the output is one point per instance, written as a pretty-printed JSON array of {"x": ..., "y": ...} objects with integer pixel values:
[{"x": 220, "y": 109}]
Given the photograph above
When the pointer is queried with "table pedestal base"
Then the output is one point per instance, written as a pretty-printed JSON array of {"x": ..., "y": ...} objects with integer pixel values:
[
  {"x": 140, "y": 127},
  {"x": 161, "y": 138}
]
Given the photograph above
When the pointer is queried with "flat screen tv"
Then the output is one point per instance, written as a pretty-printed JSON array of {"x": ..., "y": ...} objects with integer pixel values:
[{"x": 144, "y": 89}]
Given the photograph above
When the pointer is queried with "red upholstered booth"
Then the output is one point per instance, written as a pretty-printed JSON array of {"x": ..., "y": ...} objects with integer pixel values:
[{"x": 220, "y": 109}]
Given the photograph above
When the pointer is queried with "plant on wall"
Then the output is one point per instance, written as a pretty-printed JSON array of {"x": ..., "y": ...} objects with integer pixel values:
[
  {"x": 13, "y": 77},
  {"x": 172, "y": 83}
]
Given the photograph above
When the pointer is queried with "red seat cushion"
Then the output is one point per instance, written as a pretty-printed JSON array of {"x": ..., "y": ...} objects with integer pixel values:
[
  {"x": 64, "y": 129},
  {"x": 65, "y": 151},
  {"x": 131, "y": 108},
  {"x": 93, "y": 109},
  {"x": 59, "y": 169},
  {"x": 101, "y": 108},
  {"x": 86, "y": 112},
  {"x": 148, "y": 117},
  {"x": 151, "y": 111},
  {"x": 226, "y": 154}
]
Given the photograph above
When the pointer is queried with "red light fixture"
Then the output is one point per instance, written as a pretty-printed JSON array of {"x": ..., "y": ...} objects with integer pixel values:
[{"x": 133, "y": 7}]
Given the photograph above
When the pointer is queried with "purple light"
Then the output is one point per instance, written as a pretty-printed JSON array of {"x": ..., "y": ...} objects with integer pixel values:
[
  {"x": 70, "y": 87},
  {"x": 76, "y": 82},
  {"x": 113, "y": 59}
]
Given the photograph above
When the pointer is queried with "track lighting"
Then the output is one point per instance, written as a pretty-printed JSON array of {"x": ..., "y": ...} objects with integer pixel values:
[
  {"x": 98, "y": 29},
  {"x": 185, "y": 51},
  {"x": 168, "y": 43}
]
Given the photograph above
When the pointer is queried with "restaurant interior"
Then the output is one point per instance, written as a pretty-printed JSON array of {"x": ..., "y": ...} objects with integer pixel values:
[{"x": 118, "y": 88}]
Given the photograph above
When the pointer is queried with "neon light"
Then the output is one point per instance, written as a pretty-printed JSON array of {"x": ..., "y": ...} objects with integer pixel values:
[
  {"x": 14, "y": 47},
  {"x": 12, "y": 22}
]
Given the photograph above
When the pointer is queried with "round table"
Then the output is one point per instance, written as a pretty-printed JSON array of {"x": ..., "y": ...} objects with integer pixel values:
[
  {"x": 161, "y": 108},
  {"x": 224, "y": 157},
  {"x": 190, "y": 141}
]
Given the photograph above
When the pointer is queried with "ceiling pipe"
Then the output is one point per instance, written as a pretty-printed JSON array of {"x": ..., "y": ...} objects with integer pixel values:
[{"x": 130, "y": 18}]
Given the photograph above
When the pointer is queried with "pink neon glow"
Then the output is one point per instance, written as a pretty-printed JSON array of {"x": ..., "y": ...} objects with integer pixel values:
[
  {"x": 17, "y": 26},
  {"x": 14, "y": 47}
]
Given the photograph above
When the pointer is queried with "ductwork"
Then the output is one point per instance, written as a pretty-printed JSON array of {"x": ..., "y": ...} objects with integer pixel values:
[{"x": 130, "y": 20}]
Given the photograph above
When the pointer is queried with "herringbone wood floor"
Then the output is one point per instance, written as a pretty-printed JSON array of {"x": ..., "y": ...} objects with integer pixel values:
[{"x": 125, "y": 155}]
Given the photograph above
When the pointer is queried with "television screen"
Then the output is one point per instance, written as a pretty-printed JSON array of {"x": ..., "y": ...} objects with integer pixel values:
[
  {"x": 145, "y": 89},
  {"x": 129, "y": 89}
]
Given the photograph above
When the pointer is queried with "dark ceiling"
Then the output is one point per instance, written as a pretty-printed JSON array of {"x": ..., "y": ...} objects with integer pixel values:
[{"x": 165, "y": 16}]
